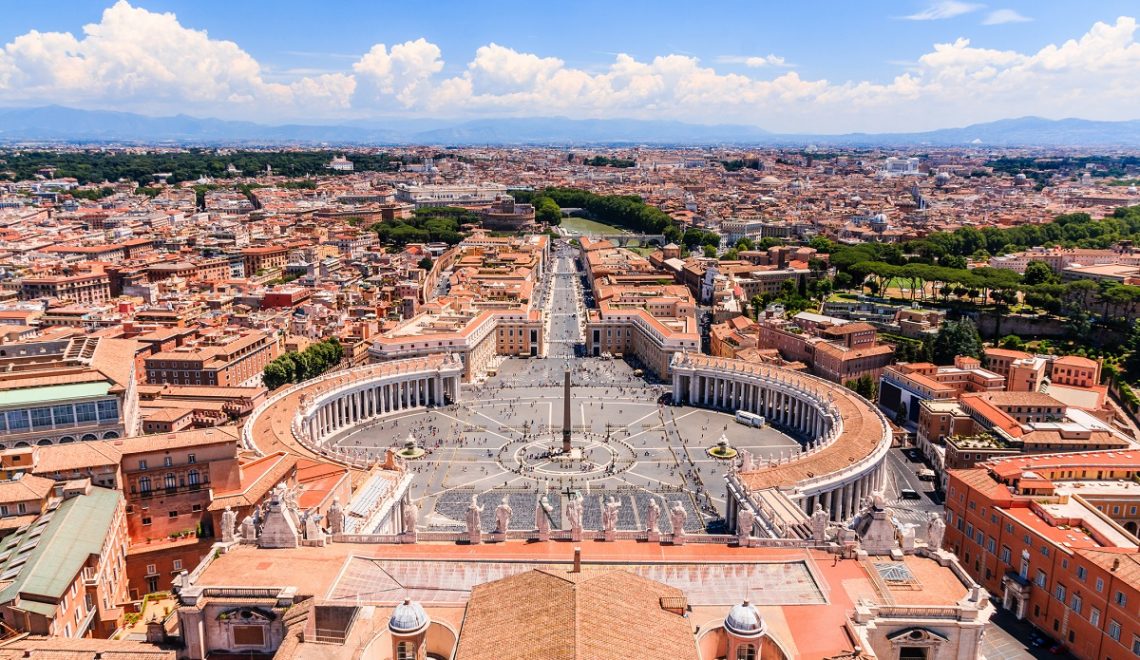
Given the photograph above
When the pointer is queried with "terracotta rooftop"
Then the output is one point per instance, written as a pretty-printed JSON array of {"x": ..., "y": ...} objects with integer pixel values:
[{"x": 563, "y": 615}]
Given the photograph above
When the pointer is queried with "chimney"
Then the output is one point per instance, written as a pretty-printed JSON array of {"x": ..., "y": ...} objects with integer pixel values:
[
  {"x": 1115, "y": 564},
  {"x": 578, "y": 560}
]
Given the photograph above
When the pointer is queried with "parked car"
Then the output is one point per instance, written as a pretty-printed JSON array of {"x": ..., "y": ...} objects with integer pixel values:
[
  {"x": 926, "y": 474},
  {"x": 909, "y": 494}
]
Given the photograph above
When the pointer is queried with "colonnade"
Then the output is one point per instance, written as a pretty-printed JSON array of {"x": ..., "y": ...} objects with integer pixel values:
[
  {"x": 796, "y": 402},
  {"x": 362, "y": 402},
  {"x": 843, "y": 501},
  {"x": 778, "y": 403}
]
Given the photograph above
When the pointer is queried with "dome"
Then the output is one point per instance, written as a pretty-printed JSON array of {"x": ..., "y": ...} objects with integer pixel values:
[
  {"x": 770, "y": 180},
  {"x": 744, "y": 620},
  {"x": 408, "y": 618}
]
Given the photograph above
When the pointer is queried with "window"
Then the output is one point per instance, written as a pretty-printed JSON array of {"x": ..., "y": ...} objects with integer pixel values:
[
  {"x": 1059, "y": 592},
  {"x": 109, "y": 410},
  {"x": 167, "y": 461},
  {"x": 190, "y": 458},
  {"x": 142, "y": 465},
  {"x": 969, "y": 530},
  {"x": 151, "y": 569},
  {"x": 17, "y": 420},
  {"x": 1005, "y": 552},
  {"x": 1082, "y": 573},
  {"x": 1045, "y": 550},
  {"x": 192, "y": 478},
  {"x": 3, "y": 509},
  {"x": 144, "y": 485},
  {"x": 746, "y": 652},
  {"x": 41, "y": 418},
  {"x": 991, "y": 544},
  {"x": 63, "y": 415},
  {"x": 1135, "y": 645},
  {"x": 146, "y": 520},
  {"x": 1099, "y": 585},
  {"x": 21, "y": 508},
  {"x": 172, "y": 514},
  {"x": 405, "y": 651},
  {"x": 1121, "y": 599},
  {"x": 1075, "y": 604},
  {"x": 1040, "y": 578},
  {"x": 1094, "y": 616},
  {"x": 171, "y": 482},
  {"x": 1114, "y": 629},
  {"x": 177, "y": 564}
]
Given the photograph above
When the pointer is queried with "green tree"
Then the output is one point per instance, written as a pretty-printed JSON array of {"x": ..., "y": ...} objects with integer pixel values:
[
  {"x": 1038, "y": 272},
  {"x": 956, "y": 338},
  {"x": 547, "y": 211},
  {"x": 901, "y": 415},
  {"x": 274, "y": 375},
  {"x": 1012, "y": 342},
  {"x": 710, "y": 251},
  {"x": 425, "y": 263}
]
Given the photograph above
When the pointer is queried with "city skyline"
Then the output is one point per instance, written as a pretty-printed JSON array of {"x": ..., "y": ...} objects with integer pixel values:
[{"x": 906, "y": 66}]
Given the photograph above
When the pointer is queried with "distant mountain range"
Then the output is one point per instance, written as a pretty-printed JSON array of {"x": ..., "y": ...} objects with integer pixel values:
[{"x": 60, "y": 124}]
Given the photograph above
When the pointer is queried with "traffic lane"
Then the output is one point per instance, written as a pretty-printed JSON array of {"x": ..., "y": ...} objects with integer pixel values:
[{"x": 906, "y": 471}]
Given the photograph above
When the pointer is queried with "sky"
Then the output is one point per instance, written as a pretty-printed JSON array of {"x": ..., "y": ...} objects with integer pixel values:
[{"x": 805, "y": 66}]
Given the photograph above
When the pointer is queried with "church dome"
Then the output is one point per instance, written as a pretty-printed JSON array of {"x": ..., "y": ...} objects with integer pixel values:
[
  {"x": 408, "y": 618},
  {"x": 744, "y": 620}
]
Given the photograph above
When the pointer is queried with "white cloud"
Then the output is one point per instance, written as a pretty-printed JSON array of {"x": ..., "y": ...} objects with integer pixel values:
[
  {"x": 134, "y": 56},
  {"x": 1003, "y": 16},
  {"x": 138, "y": 60},
  {"x": 943, "y": 9},
  {"x": 755, "y": 61},
  {"x": 401, "y": 73}
]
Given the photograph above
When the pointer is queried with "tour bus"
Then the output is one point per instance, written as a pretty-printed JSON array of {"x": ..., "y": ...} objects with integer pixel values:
[{"x": 748, "y": 419}]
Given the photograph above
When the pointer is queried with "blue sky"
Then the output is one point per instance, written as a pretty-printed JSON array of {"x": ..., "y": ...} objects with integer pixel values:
[{"x": 786, "y": 66}]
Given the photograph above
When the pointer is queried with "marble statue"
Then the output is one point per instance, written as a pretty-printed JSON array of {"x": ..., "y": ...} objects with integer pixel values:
[
  {"x": 248, "y": 529},
  {"x": 935, "y": 530},
  {"x": 411, "y": 514},
  {"x": 746, "y": 464},
  {"x": 610, "y": 514},
  {"x": 229, "y": 520},
  {"x": 819, "y": 520},
  {"x": 652, "y": 515},
  {"x": 541, "y": 519},
  {"x": 474, "y": 518},
  {"x": 312, "y": 527},
  {"x": 503, "y": 516},
  {"x": 744, "y": 521},
  {"x": 335, "y": 517},
  {"x": 574, "y": 513},
  {"x": 677, "y": 516}
]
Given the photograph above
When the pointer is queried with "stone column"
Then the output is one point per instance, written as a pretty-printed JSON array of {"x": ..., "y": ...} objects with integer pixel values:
[{"x": 834, "y": 508}]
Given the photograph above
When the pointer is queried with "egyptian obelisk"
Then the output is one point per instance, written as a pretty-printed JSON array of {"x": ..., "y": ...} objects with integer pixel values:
[{"x": 566, "y": 411}]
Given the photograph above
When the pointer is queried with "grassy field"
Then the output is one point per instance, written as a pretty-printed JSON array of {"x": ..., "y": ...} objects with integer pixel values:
[{"x": 584, "y": 226}]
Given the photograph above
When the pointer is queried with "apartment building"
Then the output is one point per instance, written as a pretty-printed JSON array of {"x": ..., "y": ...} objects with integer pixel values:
[
  {"x": 65, "y": 389},
  {"x": 832, "y": 348},
  {"x": 907, "y": 384},
  {"x": 169, "y": 481},
  {"x": 64, "y": 575},
  {"x": 226, "y": 359},
  {"x": 83, "y": 284},
  {"x": 1053, "y": 536}
]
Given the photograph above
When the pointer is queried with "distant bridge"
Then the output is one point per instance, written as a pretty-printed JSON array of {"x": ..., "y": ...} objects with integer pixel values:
[{"x": 622, "y": 240}]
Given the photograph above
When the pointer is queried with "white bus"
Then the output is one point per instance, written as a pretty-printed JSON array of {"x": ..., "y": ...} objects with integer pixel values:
[{"x": 749, "y": 419}]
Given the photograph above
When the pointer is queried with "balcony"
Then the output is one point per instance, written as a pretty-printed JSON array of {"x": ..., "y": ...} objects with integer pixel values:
[{"x": 90, "y": 577}]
